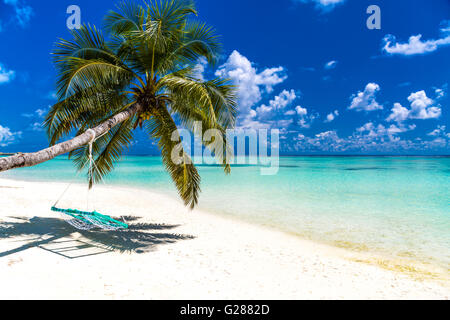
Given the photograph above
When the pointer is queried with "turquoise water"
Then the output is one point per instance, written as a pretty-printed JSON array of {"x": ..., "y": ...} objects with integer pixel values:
[{"x": 398, "y": 206}]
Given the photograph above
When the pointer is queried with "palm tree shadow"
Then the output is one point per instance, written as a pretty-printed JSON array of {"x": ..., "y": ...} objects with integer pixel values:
[{"x": 56, "y": 236}]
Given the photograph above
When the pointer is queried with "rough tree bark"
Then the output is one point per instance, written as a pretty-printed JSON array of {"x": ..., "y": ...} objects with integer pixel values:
[{"x": 21, "y": 160}]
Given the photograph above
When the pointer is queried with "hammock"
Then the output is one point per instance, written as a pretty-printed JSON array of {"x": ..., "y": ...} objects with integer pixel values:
[
  {"x": 85, "y": 220},
  {"x": 88, "y": 220}
]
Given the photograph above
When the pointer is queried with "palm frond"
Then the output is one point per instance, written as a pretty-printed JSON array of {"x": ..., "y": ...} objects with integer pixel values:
[
  {"x": 128, "y": 17},
  {"x": 192, "y": 91},
  {"x": 82, "y": 110},
  {"x": 185, "y": 176},
  {"x": 87, "y": 62}
]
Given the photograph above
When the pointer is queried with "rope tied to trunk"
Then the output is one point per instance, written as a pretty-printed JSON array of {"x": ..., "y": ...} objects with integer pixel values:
[{"x": 85, "y": 220}]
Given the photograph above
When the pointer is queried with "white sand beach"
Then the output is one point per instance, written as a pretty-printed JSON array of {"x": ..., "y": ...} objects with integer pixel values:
[{"x": 173, "y": 253}]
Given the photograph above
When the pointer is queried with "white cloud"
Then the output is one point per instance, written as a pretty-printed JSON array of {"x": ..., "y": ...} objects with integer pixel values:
[
  {"x": 380, "y": 131},
  {"x": 290, "y": 113},
  {"x": 330, "y": 65},
  {"x": 422, "y": 108},
  {"x": 332, "y": 116},
  {"x": 441, "y": 92},
  {"x": 306, "y": 119},
  {"x": 6, "y": 75},
  {"x": 324, "y": 141},
  {"x": 272, "y": 115},
  {"x": 200, "y": 68},
  {"x": 36, "y": 126},
  {"x": 325, "y": 5},
  {"x": 284, "y": 99},
  {"x": 399, "y": 113},
  {"x": 415, "y": 44},
  {"x": 365, "y": 101},
  {"x": 327, "y": 135},
  {"x": 368, "y": 138},
  {"x": 439, "y": 131},
  {"x": 36, "y": 119},
  {"x": 39, "y": 113},
  {"x": 251, "y": 83},
  {"x": 7, "y": 137},
  {"x": 301, "y": 111},
  {"x": 278, "y": 114},
  {"x": 445, "y": 27}
]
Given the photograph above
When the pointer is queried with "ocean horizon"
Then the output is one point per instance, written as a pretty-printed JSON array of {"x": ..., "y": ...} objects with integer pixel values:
[{"x": 393, "y": 206}]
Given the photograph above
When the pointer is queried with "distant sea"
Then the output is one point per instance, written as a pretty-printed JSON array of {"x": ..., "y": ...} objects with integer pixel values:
[{"x": 393, "y": 206}]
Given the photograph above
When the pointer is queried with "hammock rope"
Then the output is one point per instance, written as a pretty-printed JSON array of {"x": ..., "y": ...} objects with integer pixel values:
[{"x": 87, "y": 220}]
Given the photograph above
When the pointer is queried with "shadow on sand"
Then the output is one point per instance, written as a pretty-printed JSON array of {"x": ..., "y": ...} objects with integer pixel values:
[{"x": 56, "y": 236}]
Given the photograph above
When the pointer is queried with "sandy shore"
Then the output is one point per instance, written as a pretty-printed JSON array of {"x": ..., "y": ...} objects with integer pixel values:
[{"x": 172, "y": 253}]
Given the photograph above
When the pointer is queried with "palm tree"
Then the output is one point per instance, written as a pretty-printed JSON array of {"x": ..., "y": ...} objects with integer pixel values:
[{"x": 142, "y": 75}]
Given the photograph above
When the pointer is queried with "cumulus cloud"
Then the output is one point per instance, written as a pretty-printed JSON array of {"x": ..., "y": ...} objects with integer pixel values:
[
  {"x": 290, "y": 113},
  {"x": 415, "y": 44},
  {"x": 368, "y": 138},
  {"x": 324, "y": 5},
  {"x": 332, "y": 116},
  {"x": 422, "y": 108},
  {"x": 251, "y": 83},
  {"x": 380, "y": 131},
  {"x": 8, "y": 137},
  {"x": 301, "y": 111},
  {"x": 279, "y": 102},
  {"x": 398, "y": 113},
  {"x": 6, "y": 75},
  {"x": 280, "y": 114},
  {"x": 324, "y": 141},
  {"x": 365, "y": 101},
  {"x": 276, "y": 114},
  {"x": 200, "y": 68},
  {"x": 330, "y": 65},
  {"x": 439, "y": 131},
  {"x": 305, "y": 118}
]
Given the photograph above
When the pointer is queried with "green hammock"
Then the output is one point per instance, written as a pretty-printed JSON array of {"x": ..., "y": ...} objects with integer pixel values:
[
  {"x": 84, "y": 220},
  {"x": 92, "y": 218}
]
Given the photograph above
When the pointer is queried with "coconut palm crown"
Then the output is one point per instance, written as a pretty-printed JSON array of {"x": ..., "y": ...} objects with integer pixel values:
[{"x": 146, "y": 59}]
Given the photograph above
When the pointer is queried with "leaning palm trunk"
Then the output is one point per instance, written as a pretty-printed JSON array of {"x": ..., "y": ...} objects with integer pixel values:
[{"x": 21, "y": 160}]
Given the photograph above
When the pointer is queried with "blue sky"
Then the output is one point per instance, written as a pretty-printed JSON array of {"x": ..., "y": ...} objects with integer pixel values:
[{"x": 310, "y": 68}]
